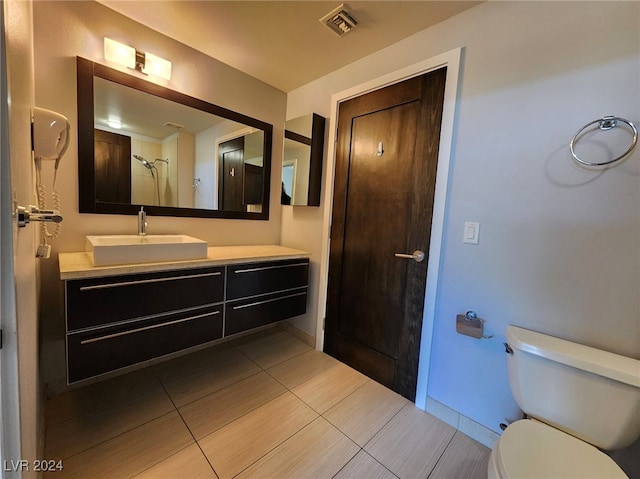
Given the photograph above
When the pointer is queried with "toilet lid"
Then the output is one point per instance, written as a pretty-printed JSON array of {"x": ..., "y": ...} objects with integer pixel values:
[{"x": 531, "y": 449}]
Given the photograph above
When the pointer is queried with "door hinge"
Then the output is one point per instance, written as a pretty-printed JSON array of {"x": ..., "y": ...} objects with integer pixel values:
[{"x": 1, "y": 338}]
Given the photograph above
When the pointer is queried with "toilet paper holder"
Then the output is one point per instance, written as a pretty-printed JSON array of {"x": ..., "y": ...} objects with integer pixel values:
[{"x": 470, "y": 324}]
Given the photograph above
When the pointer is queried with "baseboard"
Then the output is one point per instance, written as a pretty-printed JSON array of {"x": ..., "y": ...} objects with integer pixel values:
[
  {"x": 467, "y": 426},
  {"x": 298, "y": 333}
]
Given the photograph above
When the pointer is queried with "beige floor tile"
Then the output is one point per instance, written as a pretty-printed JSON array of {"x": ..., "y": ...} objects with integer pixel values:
[
  {"x": 411, "y": 443},
  {"x": 130, "y": 453},
  {"x": 296, "y": 371},
  {"x": 316, "y": 452},
  {"x": 363, "y": 466},
  {"x": 248, "y": 424},
  {"x": 196, "y": 360},
  {"x": 239, "y": 444},
  {"x": 98, "y": 396},
  {"x": 464, "y": 458},
  {"x": 365, "y": 411},
  {"x": 190, "y": 378},
  {"x": 271, "y": 347},
  {"x": 188, "y": 463},
  {"x": 90, "y": 427},
  {"x": 215, "y": 410},
  {"x": 330, "y": 387}
]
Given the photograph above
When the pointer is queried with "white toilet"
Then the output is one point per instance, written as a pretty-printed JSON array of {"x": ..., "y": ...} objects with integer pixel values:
[{"x": 575, "y": 397}]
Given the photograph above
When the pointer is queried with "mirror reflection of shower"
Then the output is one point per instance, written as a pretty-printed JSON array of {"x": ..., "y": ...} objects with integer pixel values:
[{"x": 151, "y": 165}]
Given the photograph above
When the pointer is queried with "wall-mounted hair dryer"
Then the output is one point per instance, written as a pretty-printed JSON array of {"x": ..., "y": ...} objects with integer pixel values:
[
  {"x": 50, "y": 139},
  {"x": 50, "y": 135}
]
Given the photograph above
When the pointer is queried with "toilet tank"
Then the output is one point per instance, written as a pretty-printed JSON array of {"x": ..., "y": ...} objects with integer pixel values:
[{"x": 591, "y": 394}]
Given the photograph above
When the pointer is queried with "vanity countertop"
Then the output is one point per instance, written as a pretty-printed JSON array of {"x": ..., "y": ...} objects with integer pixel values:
[{"x": 79, "y": 265}]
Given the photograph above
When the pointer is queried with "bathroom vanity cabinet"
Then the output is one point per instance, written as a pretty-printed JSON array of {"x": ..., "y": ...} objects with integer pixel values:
[
  {"x": 262, "y": 293},
  {"x": 118, "y": 317}
]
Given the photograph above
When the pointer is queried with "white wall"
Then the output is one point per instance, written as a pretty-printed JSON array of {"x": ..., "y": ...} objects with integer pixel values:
[
  {"x": 64, "y": 30},
  {"x": 559, "y": 245}
]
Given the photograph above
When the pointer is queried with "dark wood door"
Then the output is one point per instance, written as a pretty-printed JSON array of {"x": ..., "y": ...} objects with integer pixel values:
[
  {"x": 112, "y": 167},
  {"x": 386, "y": 158},
  {"x": 253, "y": 181},
  {"x": 231, "y": 184}
]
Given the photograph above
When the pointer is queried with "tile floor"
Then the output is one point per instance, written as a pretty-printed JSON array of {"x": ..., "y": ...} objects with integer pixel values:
[{"x": 261, "y": 406}]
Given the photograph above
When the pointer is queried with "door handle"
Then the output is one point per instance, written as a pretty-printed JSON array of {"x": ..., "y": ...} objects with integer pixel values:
[{"x": 417, "y": 256}]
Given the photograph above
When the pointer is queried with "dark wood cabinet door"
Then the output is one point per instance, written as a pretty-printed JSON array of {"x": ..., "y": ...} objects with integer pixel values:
[
  {"x": 263, "y": 293},
  {"x": 99, "y": 301},
  {"x": 100, "y": 350},
  {"x": 246, "y": 314},
  {"x": 260, "y": 278}
]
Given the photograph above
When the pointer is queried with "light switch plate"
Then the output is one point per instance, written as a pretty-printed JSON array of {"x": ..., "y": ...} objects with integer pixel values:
[{"x": 471, "y": 232}]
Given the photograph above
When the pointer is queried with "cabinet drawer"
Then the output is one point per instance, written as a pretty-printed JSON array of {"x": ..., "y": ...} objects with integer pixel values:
[
  {"x": 108, "y": 348},
  {"x": 99, "y": 301},
  {"x": 259, "y": 311},
  {"x": 260, "y": 278}
]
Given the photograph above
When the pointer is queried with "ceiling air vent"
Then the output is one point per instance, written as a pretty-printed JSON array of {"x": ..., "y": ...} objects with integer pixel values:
[
  {"x": 339, "y": 20},
  {"x": 170, "y": 124}
]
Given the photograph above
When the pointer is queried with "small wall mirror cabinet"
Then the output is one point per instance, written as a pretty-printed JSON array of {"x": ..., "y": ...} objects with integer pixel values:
[{"x": 302, "y": 162}]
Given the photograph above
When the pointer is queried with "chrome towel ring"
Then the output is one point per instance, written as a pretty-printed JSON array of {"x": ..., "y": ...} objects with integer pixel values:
[{"x": 605, "y": 123}]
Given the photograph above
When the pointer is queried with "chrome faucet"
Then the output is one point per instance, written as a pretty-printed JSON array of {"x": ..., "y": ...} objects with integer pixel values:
[{"x": 142, "y": 222}]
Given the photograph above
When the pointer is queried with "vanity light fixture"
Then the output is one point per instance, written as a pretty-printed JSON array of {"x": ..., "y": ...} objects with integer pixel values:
[
  {"x": 157, "y": 66},
  {"x": 129, "y": 57},
  {"x": 119, "y": 53}
]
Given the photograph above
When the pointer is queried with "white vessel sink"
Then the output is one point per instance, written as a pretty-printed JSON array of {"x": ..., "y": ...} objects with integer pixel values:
[{"x": 128, "y": 249}]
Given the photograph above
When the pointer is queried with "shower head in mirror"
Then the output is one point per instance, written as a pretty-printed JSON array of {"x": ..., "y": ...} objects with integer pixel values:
[
  {"x": 148, "y": 165},
  {"x": 143, "y": 161}
]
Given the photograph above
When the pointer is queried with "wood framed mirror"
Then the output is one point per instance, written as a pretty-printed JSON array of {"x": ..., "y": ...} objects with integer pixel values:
[{"x": 141, "y": 144}]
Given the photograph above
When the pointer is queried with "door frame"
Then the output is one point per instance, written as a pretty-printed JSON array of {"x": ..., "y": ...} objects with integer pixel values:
[{"x": 451, "y": 60}]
